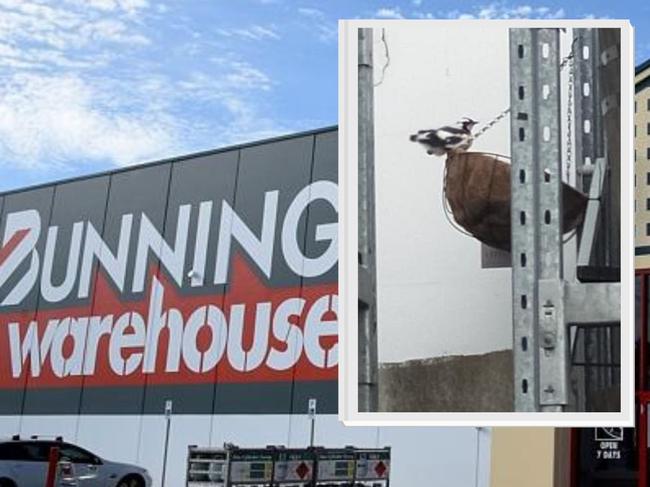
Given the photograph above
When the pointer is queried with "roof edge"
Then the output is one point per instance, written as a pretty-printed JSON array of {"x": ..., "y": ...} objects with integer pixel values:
[
  {"x": 118, "y": 170},
  {"x": 644, "y": 65}
]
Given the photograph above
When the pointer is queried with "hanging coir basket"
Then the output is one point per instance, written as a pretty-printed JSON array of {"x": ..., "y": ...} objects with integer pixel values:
[{"x": 477, "y": 187}]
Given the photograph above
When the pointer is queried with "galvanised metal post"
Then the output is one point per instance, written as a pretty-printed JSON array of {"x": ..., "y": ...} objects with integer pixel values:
[
  {"x": 553, "y": 337},
  {"x": 588, "y": 143},
  {"x": 523, "y": 218},
  {"x": 539, "y": 331},
  {"x": 367, "y": 353}
]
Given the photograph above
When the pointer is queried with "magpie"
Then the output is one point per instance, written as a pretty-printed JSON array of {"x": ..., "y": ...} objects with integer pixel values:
[{"x": 447, "y": 139}]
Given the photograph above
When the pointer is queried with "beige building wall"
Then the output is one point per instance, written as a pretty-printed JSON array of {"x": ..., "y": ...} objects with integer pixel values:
[
  {"x": 530, "y": 457},
  {"x": 642, "y": 165}
]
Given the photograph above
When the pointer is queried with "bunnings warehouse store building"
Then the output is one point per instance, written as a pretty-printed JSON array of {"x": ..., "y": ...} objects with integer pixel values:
[{"x": 208, "y": 280}]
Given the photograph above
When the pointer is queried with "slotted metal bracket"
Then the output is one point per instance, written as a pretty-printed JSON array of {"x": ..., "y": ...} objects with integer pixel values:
[
  {"x": 553, "y": 349},
  {"x": 539, "y": 329},
  {"x": 544, "y": 304},
  {"x": 588, "y": 112}
]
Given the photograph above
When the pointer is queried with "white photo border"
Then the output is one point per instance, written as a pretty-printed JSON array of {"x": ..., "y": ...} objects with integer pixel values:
[{"x": 348, "y": 237}]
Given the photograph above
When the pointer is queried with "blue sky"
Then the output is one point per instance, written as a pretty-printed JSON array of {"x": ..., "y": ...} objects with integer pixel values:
[{"x": 87, "y": 85}]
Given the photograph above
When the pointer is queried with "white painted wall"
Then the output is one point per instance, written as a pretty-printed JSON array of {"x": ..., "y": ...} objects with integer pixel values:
[
  {"x": 433, "y": 297},
  {"x": 440, "y": 457}
]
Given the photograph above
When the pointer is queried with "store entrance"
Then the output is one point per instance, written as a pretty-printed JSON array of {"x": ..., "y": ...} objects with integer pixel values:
[
  {"x": 618, "y": 457},
  {"x": 605, "y": 457}
]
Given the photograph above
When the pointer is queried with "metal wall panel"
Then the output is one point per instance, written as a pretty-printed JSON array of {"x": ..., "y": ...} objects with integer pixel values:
[
  {"x": 208, "y": 179},
  {"x": 285, "y": 167},
  {"x": 321, "y": 212},
  {"x": 241, "y": 179},
  {"x": 78, "y": 201},
  {"x": 135, "y": 192},
  {"x": 40, "y": 200}
]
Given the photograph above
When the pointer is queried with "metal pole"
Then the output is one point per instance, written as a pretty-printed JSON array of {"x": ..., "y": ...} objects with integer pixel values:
[
  {"x": 367, "y": 379},
  {"x": 588, "y": 147},
  {"x": 312, "y": 418},
  {"x": 540, "y": 333},
  {"x": 168, "y": 420},
  {"x": 609, "y": 81},
  {"x": 52, "y": 464},
  {"x": 523, "y": 225},
  {"x": 553, "y": 346}
]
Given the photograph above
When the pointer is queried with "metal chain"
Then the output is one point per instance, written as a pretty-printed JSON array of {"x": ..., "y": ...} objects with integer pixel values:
[
  {"x": 492, "y": 123},
  {"x": 565, "y": 61},
  {"x": 569, "y": 122}
]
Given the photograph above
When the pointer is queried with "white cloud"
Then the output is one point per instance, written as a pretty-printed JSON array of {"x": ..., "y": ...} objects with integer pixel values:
[
  {"x": 47, "y": 120},
  {"x": 130, "y": 7},
  {"x": 234, "y": 77},
  {"x": 254, "y": 33},
  {"x": 52, "y": 108},
  {"x": 243, "y": 75},
  {"x": 500, "y": 10},
  {"x": 81, "y": 82},
  {"x": 326, "y": 30},
  {"x": 389, "y": 13},
  {"x": 67, "y": 28},
  {"x": 112, "y": 31}
]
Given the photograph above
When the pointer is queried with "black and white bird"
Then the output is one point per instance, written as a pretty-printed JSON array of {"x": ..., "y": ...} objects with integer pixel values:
[{"x": 447, "y": 139}]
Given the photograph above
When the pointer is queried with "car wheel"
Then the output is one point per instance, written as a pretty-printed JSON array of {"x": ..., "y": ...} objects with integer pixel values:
[
  {"x": 129, "y": 481},
  {"x": 7, "y": 483}
]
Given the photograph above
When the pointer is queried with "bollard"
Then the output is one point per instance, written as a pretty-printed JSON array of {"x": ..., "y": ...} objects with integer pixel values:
[{"x": 52, "y": 463}]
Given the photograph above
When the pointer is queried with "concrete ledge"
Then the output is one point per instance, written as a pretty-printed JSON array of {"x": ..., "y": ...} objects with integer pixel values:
[{"x": 461, "y": 383}]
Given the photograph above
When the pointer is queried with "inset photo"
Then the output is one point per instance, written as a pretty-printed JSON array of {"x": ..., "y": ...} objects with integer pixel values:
[{"x": 486, "y": 222}]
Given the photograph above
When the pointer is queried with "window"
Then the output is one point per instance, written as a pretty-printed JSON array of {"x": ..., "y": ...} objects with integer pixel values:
[
  {"x": 648, "y": 153},
  {"x": 647, "y": 204},
  {"x": 10, "y": 451},
  {"x": 78, "y": 455},
  {"x": 37, "y": 451},
  {"x": 647, "y": 229},
  {"x": 648, "y": 129},
  {"x": 25, "y": 451},
  {"x": 647, "y": 178},
  {"x": 648, "y": 103}
]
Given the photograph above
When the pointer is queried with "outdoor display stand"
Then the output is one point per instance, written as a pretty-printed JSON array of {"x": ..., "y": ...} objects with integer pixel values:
[{"x": 276, "y": 466}]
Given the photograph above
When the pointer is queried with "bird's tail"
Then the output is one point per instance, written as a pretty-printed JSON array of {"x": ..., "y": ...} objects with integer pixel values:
[{"x": 421, "y": 136}]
